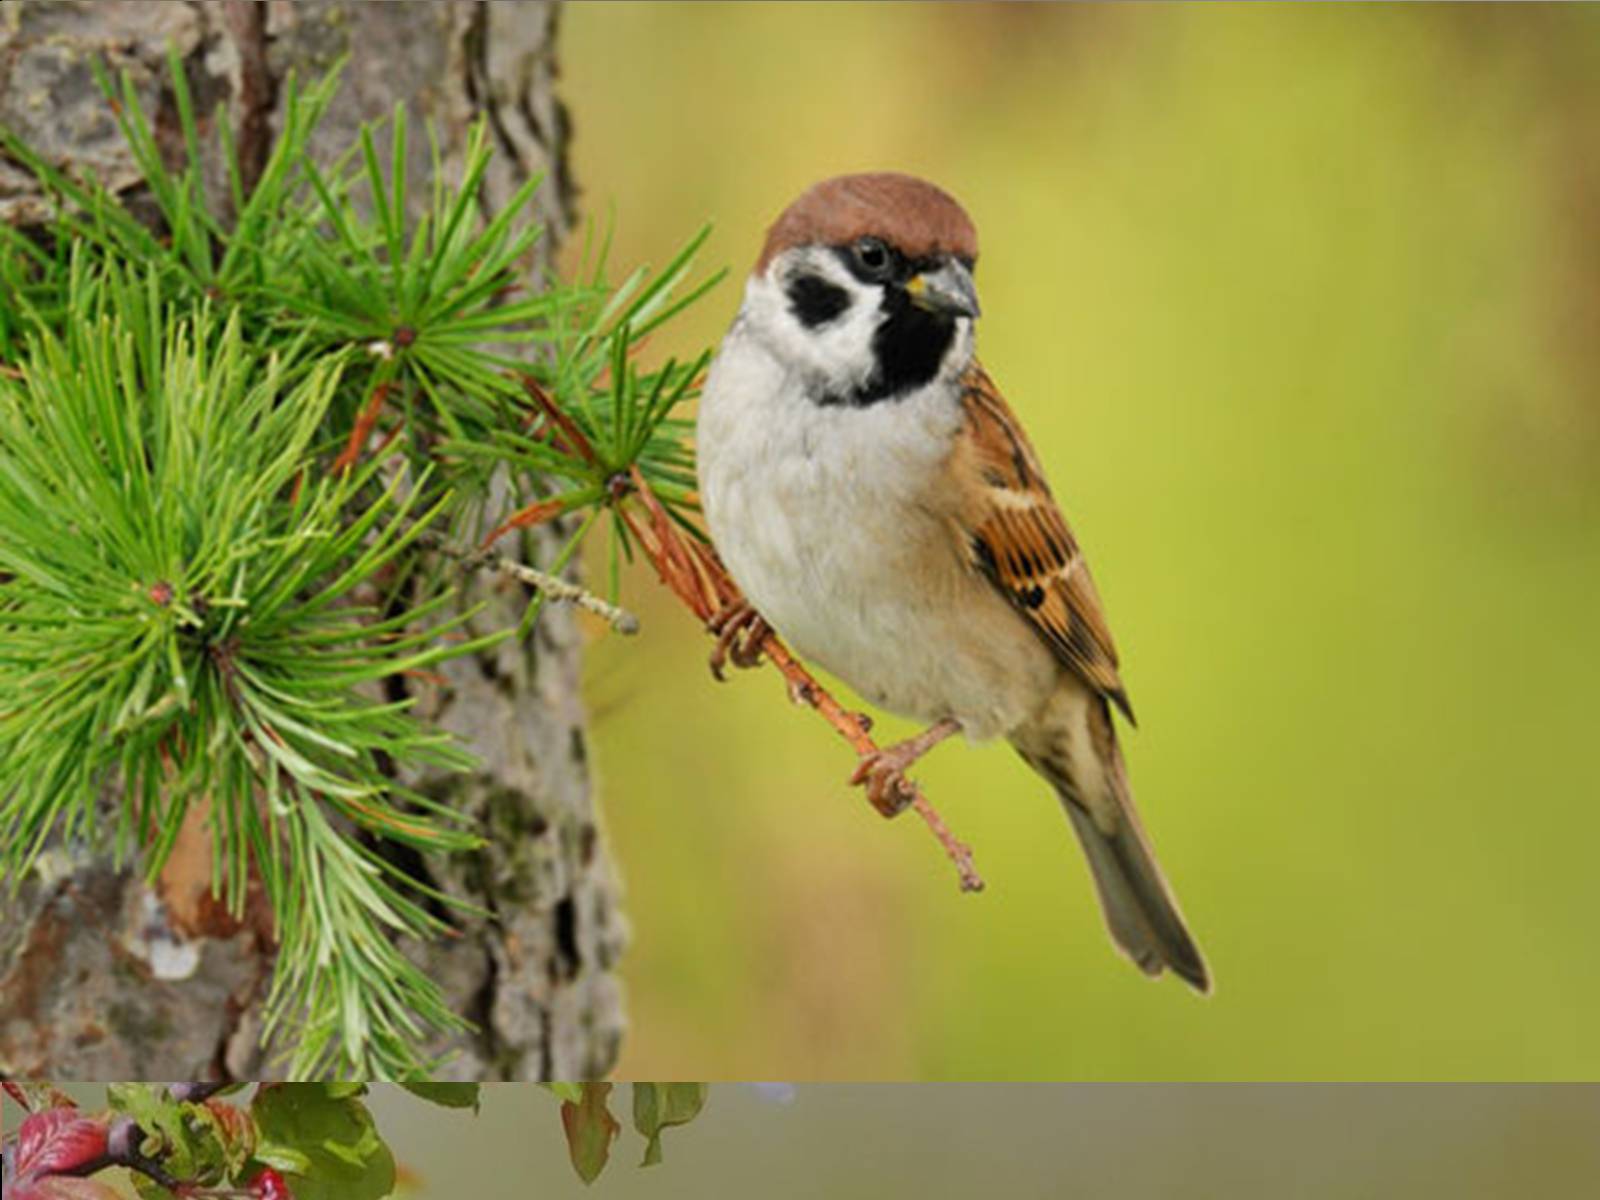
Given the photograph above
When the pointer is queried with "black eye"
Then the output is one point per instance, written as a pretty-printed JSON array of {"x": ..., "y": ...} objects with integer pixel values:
[{"x": 873, "y": 256}]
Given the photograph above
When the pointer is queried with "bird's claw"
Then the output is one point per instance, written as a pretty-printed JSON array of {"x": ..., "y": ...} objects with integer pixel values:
[
  {"x": 740, "y": 632},
  {"x": 884, "y": 774},
  {"x": 884, "y": 771}
]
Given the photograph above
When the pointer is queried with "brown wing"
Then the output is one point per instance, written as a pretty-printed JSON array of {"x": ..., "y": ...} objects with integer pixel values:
[{"x": 1013, "y": 533}]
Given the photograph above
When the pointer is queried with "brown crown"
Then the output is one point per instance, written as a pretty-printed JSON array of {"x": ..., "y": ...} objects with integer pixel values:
[{"x": 910, "y": 214}]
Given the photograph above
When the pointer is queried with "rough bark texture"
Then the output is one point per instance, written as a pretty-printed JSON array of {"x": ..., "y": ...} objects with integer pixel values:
[{"x": 98, "y": 978}]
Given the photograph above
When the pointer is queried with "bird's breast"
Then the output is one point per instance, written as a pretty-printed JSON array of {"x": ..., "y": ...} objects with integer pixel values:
[{"x": 832, "y": 522}]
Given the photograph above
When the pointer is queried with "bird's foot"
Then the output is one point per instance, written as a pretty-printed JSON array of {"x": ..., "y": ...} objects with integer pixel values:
[
  {"x": 740, "y": 631},
  {"x": 883, "y": 771}
]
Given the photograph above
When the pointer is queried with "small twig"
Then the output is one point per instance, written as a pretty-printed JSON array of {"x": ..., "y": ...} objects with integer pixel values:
[
  {"x": 553, "y": 587},
  {"x": 804, "y": 688},
  {"x": 697, "y": 577},
  {"x": 559, "y": 589}
]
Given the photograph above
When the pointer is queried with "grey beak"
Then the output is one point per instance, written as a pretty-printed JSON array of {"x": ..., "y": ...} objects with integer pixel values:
[{"x": 948, "y": 288}]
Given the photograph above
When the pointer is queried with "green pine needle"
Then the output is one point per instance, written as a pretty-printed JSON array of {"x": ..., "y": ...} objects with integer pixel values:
[{"x": 198, "y": 608}]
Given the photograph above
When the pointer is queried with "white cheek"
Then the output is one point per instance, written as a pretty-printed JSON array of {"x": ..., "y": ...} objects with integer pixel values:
[
  {"x": 959, "y": 356},
  {"x": 835, "y": 357}
]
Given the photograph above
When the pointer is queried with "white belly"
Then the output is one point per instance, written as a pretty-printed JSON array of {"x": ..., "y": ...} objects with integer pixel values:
[{"x": 829, "y": 522}]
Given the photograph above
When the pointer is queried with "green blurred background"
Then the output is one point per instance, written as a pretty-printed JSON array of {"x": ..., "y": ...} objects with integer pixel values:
[
  {"x": 1043, "y": 1142},
  {"x": 1300, "y": 307},
  {"x": 1039, "y": 1142}
]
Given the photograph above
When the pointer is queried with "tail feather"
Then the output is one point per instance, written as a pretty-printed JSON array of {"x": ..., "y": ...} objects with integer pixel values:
[
  {"x": 1074, "y": 746},
  {"x": 1138, "y": 906}
]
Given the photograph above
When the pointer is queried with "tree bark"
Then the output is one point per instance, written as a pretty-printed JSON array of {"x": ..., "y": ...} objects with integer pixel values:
[{"x": 102, "y": 977}]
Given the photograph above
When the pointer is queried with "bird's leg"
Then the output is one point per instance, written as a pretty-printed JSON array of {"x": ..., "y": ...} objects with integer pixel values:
[
  {"x": 884, "y": 770},
  {"x": 740, "y": 631}
]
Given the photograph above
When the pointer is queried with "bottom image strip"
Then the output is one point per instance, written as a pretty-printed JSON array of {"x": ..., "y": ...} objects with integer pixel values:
[{"x": 778, "y": 1140}]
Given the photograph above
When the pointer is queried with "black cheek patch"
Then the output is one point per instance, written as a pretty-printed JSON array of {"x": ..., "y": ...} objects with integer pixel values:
[{"x": 814, "y": 301}]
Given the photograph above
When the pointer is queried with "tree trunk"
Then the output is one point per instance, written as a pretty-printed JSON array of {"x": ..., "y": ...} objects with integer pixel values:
[{"x": 102, "y": 977}]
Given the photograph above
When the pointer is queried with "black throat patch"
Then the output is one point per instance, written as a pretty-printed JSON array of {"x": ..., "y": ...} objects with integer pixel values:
[
  {"x": 909, "y": 343},
  {"x": 908, "y": 347}
]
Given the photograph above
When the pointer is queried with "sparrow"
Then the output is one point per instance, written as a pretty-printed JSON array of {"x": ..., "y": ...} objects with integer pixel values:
[{"x": 879, "y": 505}]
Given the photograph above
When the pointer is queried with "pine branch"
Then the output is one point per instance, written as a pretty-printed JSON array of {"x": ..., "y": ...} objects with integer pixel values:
[{"x": 207, "y": 570}]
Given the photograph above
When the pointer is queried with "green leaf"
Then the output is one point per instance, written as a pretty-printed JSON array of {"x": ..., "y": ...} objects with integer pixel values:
[
  {"x": 282, "y": 1159},
  {"x": 232, "y": 1132},
  {"x": 185, "y": 1137},
  {"x": 567, "y": 1091},
  {"x": 345, "y": 1159},
  {"x": 656, "y": 1106},
  {"x": 451, "y": 1095},
  {"x": 149, "y": 1189},
  {"x": 590, "y": 1130}
]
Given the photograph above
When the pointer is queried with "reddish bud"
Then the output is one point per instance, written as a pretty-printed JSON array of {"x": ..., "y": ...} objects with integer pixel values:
[{"x": 269, "y": 1185}]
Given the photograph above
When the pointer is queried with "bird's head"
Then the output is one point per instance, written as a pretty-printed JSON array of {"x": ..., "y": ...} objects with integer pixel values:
[{"x": 864, "y": 287}]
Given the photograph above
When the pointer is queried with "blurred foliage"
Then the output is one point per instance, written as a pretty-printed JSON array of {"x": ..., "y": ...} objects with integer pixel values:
[
  {"x": 1294, "y": 303},
  {"x": 1044, "y": 1142},
  {"x": 1134, "y": 1142},
  {"x": 590, "y": 1128},
  {"x": 294, "y": 1141},
  {"x": 314, "y": 1141}
]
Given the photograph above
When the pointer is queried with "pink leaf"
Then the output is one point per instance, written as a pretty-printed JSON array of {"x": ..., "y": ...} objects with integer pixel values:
[
  {"x": 58, "y": 1140},
  {"x": 65, "y": 1187}
]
